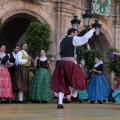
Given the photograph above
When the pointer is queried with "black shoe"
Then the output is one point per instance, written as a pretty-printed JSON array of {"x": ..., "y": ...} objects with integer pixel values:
[
  {"x": 92, "y": 102},
  {"x": 44, "y": 101},
  {"x": 59, "y": 106},
  {"x": 65, "y": 100},
  {"x": 22, "y": 102},
  {"x": 86, "y": 100},
  {"x": 35, "y": 101},
  {"x": 5, "y": 102},
  {"x": 14, "y": 101},
  {"x": 74, "y": 99},
  {"x": 100, "y": 102},
  {"x": 80, "y": 101}
]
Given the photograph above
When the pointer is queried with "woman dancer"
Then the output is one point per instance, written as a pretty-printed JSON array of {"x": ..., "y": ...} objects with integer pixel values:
[
  {"x": 5, "y": 80},
  {"x": 98, "y": 88},
  {"x": 40, "y": 84}
]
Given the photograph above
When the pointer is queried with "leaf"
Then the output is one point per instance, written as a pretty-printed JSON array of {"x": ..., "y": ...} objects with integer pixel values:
[{"x": 37, "y": 38}]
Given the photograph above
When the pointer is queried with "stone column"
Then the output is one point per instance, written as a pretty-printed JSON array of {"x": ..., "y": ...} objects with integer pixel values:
[
  {"x": 116, "y": 32},
  {"x": 117, "y": 26},
  {"x": 64, "y": 11}
]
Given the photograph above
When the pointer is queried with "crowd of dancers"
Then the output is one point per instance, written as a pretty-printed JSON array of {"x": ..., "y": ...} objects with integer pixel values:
[{"x": 67, "y": 82}]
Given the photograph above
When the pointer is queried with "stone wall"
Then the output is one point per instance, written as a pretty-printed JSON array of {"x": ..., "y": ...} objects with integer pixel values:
[{"x": 59, "y": 13}]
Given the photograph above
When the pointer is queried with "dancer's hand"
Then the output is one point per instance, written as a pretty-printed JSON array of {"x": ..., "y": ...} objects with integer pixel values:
[
  {"x": 37, "y": 57},
  {"x": 94, "y": 70},
  {"x": 8, "y": 63},
  {"x": 90, "y": 71},
  {"x": 29, "y": 59},
  {"x": 48, "y": 62},
  {"x": 115, "y": 53}
]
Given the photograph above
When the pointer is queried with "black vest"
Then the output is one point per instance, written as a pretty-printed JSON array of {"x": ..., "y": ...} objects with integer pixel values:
[
  {"x": 66, "y": 47},
  {"x": 12, "y": 59}
]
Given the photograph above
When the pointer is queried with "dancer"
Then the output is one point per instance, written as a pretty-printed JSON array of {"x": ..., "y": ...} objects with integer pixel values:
[
  {"x": 40, "y": 85},
  {"x": 117, "y": 85},
  {"x": 5, "y": 80},
  {"x": 12, "y": 66},
  {"x": 67, "y": 73},
  {"x": 66, "y": 99},
  {"x": 98, "y": 88},
  {"x": 21, "y": 76}
]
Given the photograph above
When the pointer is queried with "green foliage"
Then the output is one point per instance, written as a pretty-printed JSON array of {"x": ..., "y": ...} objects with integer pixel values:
[
  {"x": 89, "y": 58},
  {"x": 0, "y": 21},
  {"x": 80, "y": 53},
  {"x": 114, "y": 64},
  {"x": 38, "y": 38}
]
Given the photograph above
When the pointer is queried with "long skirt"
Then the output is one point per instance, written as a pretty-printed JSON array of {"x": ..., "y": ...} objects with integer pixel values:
[
  {"x": 5, "y": 83},
  {"x": 40, "y": 86},
  {"x": 82, "y": 94},
  {"x": 116, "y": 95},
  {"x": 67, "y": 74},
  {"x": 21, "y": 79},
  {"x": 99, "y": 88},
  {"x": 117, "y": 85}
]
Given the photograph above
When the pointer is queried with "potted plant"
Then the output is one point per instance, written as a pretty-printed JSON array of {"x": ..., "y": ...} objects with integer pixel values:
[{"x": 38, "y": 38}]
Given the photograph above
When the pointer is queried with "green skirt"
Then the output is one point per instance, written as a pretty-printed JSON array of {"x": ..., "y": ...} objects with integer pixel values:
[{"x": 40, "y": 86}]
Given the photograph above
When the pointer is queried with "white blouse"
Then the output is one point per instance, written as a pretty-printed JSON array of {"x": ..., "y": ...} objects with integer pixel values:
[{"x": 2, "y": 54}]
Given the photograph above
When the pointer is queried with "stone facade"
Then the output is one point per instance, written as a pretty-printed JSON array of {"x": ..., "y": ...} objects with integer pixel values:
[{"x": 58, "y": 14}]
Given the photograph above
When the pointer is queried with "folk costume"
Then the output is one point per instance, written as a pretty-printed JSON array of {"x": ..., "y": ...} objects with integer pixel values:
[
  {"x": 21, "y": 76},
  {"x": 67, "y": 73},
  {"x": 11, "y": 68},
  {"x": 99, "y": 88},
  {"x": 5, "y": 80},
  {"x": 12, "y": 65},
  {"x": 40, "y": 84}
]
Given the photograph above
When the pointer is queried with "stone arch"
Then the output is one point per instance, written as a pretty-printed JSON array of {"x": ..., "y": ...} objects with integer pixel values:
[{"x": 17, "y": 7}]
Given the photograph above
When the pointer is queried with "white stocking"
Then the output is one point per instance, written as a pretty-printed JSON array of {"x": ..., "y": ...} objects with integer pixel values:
[
  {"x": 60, "y": 98},
  {"x": 20, "y": 96}
]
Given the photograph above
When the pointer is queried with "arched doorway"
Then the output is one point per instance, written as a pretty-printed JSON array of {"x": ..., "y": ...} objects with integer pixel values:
[{"x": 15, "y": 27}]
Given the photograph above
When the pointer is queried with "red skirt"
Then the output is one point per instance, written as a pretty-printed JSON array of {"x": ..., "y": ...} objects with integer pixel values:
[
  {"x": 117, "y": 83},
  {"x": 67, "y": 74}
]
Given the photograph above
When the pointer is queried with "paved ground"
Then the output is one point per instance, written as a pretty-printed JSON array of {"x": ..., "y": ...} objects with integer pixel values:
[{"x": 72, "y": 111}]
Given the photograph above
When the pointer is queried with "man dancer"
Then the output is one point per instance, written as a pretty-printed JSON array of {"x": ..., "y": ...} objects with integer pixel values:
[
  {"x": 12, "y": 65},
  {"x": 21, "y": 78},
  {"x": 67, "y": 73}
]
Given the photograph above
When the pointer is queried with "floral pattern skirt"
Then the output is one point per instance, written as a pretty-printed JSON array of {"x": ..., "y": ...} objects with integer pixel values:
[
  {"x": 40, "y": 86},
  {"x": 5, "y": 83}
]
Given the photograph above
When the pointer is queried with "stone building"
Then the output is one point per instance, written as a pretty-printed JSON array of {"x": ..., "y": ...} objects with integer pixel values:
[{"x": 17, "y": 14}]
